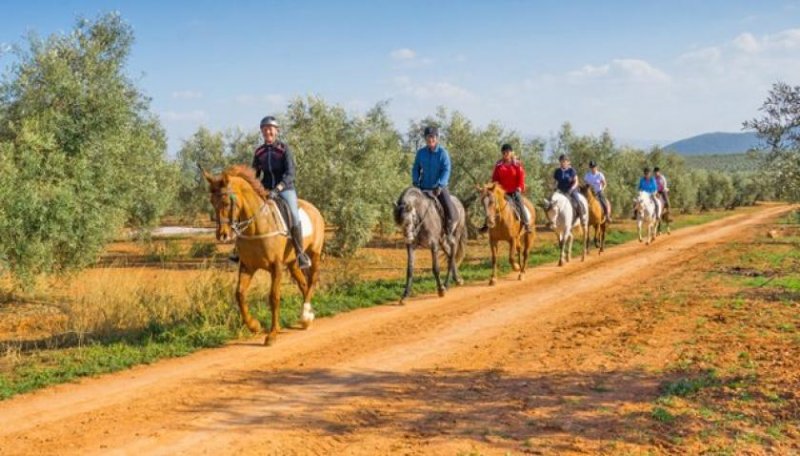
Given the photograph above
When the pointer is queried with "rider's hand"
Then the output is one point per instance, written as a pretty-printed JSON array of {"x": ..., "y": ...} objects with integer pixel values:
[
  {"x": 273, "y": 194},
  {"x": 437, "y": 191}
]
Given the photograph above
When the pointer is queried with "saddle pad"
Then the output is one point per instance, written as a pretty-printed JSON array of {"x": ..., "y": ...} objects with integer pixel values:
[{"x": 305, "y": 224}]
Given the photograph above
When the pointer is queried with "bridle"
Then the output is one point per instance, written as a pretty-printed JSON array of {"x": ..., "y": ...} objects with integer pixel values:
[{"x": 239, "y": 226}]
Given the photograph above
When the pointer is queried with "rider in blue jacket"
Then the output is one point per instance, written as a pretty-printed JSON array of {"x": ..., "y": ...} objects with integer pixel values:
[
  {"x": 431, "y": 172},
  {"x": 647, "y": 184}
]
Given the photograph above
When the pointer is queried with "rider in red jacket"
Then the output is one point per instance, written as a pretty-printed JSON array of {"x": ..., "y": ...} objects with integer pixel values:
[{"x": 509, "y": 173}]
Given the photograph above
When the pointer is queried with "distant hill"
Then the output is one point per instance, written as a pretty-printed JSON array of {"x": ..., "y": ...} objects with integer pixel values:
[{"x": 716, "y": 143}]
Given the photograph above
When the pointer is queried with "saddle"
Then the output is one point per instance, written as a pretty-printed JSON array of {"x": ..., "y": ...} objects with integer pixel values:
[
  {"x": 286, "y": 213},
  {"x": 514, "y": 208},
  {"x": 436, "y": 204}
]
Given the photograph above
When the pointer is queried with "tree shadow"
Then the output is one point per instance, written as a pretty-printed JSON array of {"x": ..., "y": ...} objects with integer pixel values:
[{"x": 492, "y": 406}]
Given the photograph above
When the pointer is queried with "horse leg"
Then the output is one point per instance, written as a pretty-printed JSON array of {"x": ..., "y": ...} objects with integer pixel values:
[
  {"x": 603, "y": 236},
  {"x": 639, "y": 227},
  {"x": 409, "y": 272},
  {"x": 435, "y": 261},
  {"x": 493, "y": 248},
  {"x": 526, "y": 248},
  {"x": 571, "y": 239},
  {"x": 245, "y": 276},
  {"x": 276, "y": 271},
  {"x": 306, "y": 312},
  {"x": 512, "y": 249},
  {"x": 449, "y": 251},
  {"x": 585, "y": 230}
]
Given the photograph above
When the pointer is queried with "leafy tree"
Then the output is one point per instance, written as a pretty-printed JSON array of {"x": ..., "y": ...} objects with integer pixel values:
[
  {"x": 779, "y": 127},
  {"x": 348, "y": 166},
  {"x": 79, "y": 150}
]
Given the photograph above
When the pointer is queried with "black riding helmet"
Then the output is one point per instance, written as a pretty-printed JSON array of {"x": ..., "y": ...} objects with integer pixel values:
[
  {"x": 506, "y": 148},
  {"x": 430, "y": 131},
  {"x": 592, "y": 164},
  {"x": 269, "y": 120}
]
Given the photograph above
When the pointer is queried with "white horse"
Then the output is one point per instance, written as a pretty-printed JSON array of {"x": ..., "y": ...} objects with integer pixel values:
[
  {"x": 648, "y": 212},
  {"x": 563, "y": 218}
]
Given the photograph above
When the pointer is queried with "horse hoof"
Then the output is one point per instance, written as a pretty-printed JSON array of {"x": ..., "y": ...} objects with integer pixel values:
[
  {"x": 492, "y": 282},
  {"x": 515, "y": 267},
  {"x": 460, "y": 282},
  {"x": 254, "y": 327},
  {"x": 305, "y": 324},
  {"x": 441, "y": 292},
  {"x": 270, "y": 340},
  {"x": 521, "y": 276}
]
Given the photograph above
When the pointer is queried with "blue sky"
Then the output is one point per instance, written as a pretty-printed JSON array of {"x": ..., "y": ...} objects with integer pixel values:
[{"x": 647, "y": 71}]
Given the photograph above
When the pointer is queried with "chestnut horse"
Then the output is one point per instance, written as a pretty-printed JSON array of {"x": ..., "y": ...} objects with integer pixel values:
[
  {"x": 597, "y": 217},
  {"x": 505, "y": 226},
  {"x": 244, "y": 209}
]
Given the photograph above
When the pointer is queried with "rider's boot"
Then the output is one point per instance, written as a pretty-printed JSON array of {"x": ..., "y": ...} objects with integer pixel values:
[{"x": 297, "y": 238}]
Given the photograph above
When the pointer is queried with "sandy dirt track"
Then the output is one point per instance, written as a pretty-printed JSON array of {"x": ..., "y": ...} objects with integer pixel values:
[{"x": 424, "y": 378}]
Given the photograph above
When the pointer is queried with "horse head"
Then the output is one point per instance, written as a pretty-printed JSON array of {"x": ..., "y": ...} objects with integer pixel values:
[
  {"x": 489, "y": 202},
  {"x": 405, "y": 216},
  {"x": 225, "y": 202}
]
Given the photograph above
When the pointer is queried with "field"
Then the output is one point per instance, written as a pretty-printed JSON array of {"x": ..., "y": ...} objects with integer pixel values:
[
  {"x": 728, "y": 163},
  {"x": 686, "y": 346}
]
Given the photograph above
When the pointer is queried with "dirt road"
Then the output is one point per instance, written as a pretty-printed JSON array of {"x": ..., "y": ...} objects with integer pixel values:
[{"x": 443, "y": 376}]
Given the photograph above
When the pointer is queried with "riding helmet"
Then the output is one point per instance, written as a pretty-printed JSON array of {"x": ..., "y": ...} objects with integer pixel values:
[
  {"x": 430, "y": 131},
  {"x": 592, "y": 164},
  {"x": 506, "y": 148},
  {"x": 269, "y": 120}
]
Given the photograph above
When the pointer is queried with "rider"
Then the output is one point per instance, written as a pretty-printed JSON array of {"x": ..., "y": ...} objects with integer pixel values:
[
  {"x": 509, "y": 173},
  {"x": 274, "y": 164},
  {"x": 597, "y": 180},
  {"x": 431, "y": 172},
  {"x": 663, "y": 188},
  {"x": 647, "y": 184},
  {"x": 567, "y": 182}
]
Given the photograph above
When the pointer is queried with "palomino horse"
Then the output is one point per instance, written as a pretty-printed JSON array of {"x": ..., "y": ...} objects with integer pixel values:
[
  {"x": 418, "y": 217},
  {"x": 243, "y": 208},
  {"x": 505, "y": 226},
  {"x": 562, "y": 216},
  {"x": 647, "y": 213},
  {"x": 597, "y": 218}
]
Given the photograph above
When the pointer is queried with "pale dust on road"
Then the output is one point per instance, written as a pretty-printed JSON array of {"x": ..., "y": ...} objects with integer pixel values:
[{"x": 423, "y": 378}]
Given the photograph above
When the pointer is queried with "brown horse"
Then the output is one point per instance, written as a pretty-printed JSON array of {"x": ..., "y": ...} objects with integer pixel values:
[
  {"x": 597, "y": 218},
  {"x": 243, "y": 208},
  {"x": 666, "y": 217},
  {"x": 504, "y": 226}
]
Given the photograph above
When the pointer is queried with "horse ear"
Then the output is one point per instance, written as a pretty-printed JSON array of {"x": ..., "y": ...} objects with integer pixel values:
[{"x": 209, "y": 178}]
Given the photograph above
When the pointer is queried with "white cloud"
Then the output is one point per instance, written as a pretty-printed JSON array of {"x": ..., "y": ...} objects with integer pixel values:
[
  {"x": 442, "y": 91},
  {"x": 785, "y": 40},
  {"x": 187, "y": 95},
  {"x": 705, "y": 55},
  {"x": 627, "y": 70},
  {"x": 272, "y": 100},
  {"x": 746, "y": 42},
  {"x": 196, "y": 115},
  {"x": 403, "y": 54}
]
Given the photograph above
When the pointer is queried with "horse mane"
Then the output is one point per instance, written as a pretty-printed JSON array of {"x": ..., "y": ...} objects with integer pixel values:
[{"x": 249, "y": 175}]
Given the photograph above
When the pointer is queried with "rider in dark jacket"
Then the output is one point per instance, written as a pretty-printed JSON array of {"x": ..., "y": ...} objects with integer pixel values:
[
  {"x": 567, "y": 182},
  {"x": 275, "y": 166}
]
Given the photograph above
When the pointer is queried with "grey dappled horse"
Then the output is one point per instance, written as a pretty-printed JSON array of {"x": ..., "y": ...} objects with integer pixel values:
[{"x": 419, "y": 219}]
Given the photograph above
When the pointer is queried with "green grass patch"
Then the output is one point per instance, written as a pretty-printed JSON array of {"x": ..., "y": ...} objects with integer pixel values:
[
  {"x": 684, "y": 387},
  {"x": 662, "y": 415}
]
